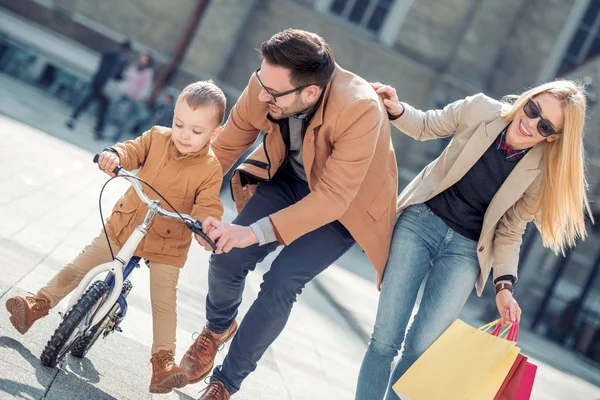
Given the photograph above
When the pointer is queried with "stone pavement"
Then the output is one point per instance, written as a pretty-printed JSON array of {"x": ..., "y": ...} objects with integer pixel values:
[{"x": 48, "y": 212}]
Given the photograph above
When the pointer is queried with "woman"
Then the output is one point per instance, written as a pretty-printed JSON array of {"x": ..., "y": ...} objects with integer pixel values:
[
  {"x": 464, "y": 215},
  {"x": 135, "y": 86}
]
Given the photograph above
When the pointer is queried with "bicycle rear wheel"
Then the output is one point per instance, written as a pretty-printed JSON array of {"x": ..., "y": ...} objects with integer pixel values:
[{"x": 74, "y": 325}]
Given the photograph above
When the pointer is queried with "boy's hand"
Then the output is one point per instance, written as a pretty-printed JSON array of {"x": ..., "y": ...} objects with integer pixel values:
[
  {"x": 108, "y": 161},
  {"x": 208, "y": 225}
]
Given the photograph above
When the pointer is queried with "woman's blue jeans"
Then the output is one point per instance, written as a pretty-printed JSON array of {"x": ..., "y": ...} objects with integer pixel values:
[{"x": 422, "y": 243}]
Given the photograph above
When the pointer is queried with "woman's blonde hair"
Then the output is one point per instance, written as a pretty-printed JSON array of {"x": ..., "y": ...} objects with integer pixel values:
[{"x": 562, "y": 200}]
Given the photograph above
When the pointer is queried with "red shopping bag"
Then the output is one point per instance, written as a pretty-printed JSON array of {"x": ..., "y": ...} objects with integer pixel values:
[
  {"x": 519, "y": 381},
  {"x": 526, "y": 385},
  {"x": 510, "y": 386}
]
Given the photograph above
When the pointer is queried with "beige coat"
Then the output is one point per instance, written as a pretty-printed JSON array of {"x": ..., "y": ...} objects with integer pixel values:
[
  {"x": 191, "y": 183},
  {"x": 475, "y": 123},
  {"x": 348, "y": 157}
]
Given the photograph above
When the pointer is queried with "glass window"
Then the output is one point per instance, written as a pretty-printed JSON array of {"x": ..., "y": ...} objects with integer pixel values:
[
  {"x": 585, "y": 43},
  {"x": 369, "y": 14}
]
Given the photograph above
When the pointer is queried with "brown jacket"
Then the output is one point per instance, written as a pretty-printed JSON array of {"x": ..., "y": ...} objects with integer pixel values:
[
  {"x": 348, "y": 158},
  {"x": 475, "y": 123},
  {"x": 191, "y": 183}
]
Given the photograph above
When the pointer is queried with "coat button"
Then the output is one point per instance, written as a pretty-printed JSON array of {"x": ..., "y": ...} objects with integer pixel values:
[
  {"x": 121, "y": 205},
  {"x": 168, "y": 231},
  {"x": 481, "y": 248}
]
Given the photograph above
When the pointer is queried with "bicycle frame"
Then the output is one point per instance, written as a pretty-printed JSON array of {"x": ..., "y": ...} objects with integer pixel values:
[{"x": 125, "y": 254}]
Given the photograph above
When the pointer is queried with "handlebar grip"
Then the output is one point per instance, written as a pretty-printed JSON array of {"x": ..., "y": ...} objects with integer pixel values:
[
  {"x": 196, "y": 227},
  {"x": 115, "y": 171},
  {"x": 206, "y": 238}
]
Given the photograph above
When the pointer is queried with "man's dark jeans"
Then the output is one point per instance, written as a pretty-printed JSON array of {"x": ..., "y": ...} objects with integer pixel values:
[{"x": 291, "y": 270}]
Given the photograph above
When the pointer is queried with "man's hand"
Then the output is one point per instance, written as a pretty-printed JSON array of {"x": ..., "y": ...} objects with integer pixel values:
[
  {"x": 108, "y": 161},
  {"x": 208, "y": 225},
  {"x": 508, "y": 308},
  {"x": 229, "y": 236}
]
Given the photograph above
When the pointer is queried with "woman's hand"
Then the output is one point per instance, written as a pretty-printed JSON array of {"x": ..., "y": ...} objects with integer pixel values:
[
  {"x": 108, "y": 161},
  {"x": 508, "y": 307},
  {"x": 390, "y": 99}
]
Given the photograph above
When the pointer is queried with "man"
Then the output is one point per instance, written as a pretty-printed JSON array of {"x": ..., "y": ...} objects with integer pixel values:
[
  {"x": 112, "y": 64},
  {"x": 324, "y": 177}
]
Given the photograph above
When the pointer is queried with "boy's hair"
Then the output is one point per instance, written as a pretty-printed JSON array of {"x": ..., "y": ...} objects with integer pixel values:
[
  {"x": 305, "y": 54},
  {"x": 205, "y": 93}
]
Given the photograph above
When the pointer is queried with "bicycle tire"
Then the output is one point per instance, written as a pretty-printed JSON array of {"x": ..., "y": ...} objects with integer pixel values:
[
  {"x": 82, "y": 345},
  {"x": 55, "y": 350}
]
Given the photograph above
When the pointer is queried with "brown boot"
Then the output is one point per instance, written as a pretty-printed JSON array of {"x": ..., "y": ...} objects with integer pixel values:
[
  {"x": 199, "y": 360},
  {"x": 166, "y": 375},
  {"x": 24, "y": 311},
  {"x": 215, "y": 391}
]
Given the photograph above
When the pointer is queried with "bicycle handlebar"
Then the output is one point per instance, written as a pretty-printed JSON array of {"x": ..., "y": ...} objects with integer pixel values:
[{"x": 193, "y": 224}]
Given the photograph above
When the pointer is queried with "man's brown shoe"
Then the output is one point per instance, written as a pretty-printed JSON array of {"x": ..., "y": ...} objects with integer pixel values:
[
  {"x": 199, "y": 360},
  {"x": 215, "y": 391},
  {"x": 166, "y": 375},
  {"x": 24, "y": 311}
]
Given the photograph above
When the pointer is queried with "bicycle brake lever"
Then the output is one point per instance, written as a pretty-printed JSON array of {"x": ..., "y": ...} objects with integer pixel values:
[{"x": 196, "y": 227}]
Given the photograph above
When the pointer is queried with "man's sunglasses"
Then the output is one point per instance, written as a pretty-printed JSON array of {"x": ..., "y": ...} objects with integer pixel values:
[
  {"x": 544, "y": 127},
  {"x": 275, "y": 96}
]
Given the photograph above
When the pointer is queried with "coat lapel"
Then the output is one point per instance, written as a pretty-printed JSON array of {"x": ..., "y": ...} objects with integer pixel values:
[
  {"x": 308, "y": 148},
  {"x": 513, "y": 187},
  {"x": 479, "y": 142}
]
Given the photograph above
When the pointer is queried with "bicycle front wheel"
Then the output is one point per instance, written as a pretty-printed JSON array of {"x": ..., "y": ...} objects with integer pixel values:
[{"x": 74, "y": 324}]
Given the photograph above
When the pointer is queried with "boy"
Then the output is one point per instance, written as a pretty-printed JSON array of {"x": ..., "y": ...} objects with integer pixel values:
[{"x": 179, "y": 164}]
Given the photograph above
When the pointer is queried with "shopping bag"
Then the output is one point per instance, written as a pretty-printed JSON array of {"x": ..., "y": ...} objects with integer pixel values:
[
  {"x": 490, "y": 385},
  {"x": 519, "y": 382},
  {"x": 456, "y": 364},
  {"x": 526, "y": 385},
  {"x": 510, "y": 386}
]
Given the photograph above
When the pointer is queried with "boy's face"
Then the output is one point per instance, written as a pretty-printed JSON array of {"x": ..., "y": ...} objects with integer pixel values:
[{"x": 193, "y": 129}]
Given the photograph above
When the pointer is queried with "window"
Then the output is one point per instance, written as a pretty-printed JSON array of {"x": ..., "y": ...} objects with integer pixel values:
[
  {"x": 585, "y": 43},
  {"x": 369, "y": 14}
]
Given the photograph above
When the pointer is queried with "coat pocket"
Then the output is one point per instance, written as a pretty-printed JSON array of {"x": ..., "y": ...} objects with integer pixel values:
[
  {"x": 121, "y": 218},
  {"x": 165, "y": 237}
]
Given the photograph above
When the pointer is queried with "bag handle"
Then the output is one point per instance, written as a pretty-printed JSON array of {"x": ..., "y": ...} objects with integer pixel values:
[
  {"x": 513, "y": 331},
  {"x": 487, "y": 327}
]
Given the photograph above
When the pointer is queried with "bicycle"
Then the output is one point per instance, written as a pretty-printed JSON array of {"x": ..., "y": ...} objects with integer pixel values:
[{"x": 99, "y": 309}]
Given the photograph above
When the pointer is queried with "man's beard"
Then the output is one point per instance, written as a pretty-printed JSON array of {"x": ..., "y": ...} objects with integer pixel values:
[{"x": 294, "y": 109}]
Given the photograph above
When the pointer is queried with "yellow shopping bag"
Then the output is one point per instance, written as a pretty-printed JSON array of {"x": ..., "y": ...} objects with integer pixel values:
[{"x": 465, "y": 363}]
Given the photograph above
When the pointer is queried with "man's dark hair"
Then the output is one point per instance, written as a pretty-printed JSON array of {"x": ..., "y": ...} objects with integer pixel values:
[{"x": 305, "y": 54}]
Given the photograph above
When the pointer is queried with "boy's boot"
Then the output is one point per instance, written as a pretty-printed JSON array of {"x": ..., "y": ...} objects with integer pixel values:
[
  {"x": 24, "y": 311},
  {"x": 166, "y": 375}
]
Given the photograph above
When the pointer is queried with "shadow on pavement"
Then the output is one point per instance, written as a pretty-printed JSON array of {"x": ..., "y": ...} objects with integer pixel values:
[{"x": 20, "y": 390}]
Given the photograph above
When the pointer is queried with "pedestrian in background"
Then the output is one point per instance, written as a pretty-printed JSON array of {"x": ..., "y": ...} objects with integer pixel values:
[
  {"x": 112, "y": 64},
  {"x": 134, "y": 88}
]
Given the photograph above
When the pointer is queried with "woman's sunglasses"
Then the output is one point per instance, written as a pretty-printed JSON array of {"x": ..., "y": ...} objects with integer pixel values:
[{"x": 544, "y": 127}]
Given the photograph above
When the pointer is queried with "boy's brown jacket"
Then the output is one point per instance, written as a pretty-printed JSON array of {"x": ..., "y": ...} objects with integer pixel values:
[{"x": 191, "y": 183}]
